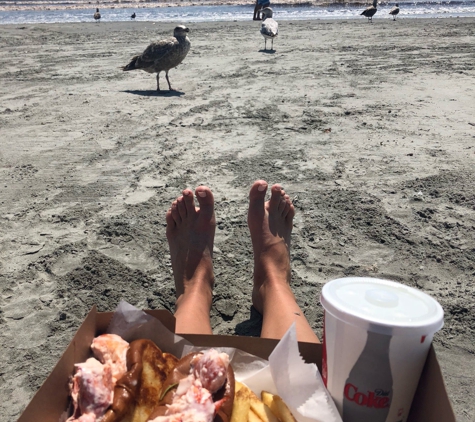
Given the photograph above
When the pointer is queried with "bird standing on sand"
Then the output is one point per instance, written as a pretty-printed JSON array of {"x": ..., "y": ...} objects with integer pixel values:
[
  {"x": 269, "y": 27},
  {"x": 133, "y": 16},
  {"x": 370, "y": 11},
  {"x": 163, "y": 55},
  {"x": 394, "y": 11},
  {"x": 97, "y": 15}
]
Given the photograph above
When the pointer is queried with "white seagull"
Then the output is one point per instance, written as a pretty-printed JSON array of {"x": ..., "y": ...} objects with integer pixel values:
[
  {"x": 163, "y": 55},
  {"x": 269, "y": 27},
  {"x": 394, "y": 11}
]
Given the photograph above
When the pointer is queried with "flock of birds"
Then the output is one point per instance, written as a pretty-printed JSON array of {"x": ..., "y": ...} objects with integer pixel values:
[
  {"x": 97, "y": 15},
  {"x": 163, "y": 55}
]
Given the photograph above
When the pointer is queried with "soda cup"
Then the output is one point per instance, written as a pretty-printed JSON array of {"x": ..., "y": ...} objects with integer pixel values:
[{"x": 376, "y": 337}]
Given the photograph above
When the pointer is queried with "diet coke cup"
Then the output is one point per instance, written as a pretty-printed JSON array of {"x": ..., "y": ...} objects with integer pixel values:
[{"x": 376, "y": 337}]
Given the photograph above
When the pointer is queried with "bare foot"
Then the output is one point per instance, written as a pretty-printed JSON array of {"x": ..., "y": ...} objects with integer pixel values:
[
  {"x": 190, "y": 234},
  {"x": 270, "y": 224}
]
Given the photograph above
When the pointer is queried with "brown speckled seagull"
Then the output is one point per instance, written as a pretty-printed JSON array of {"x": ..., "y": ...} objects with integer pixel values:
[{"x": 163, "y": 55}]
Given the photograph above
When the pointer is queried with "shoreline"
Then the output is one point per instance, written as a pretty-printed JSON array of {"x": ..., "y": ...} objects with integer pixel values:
[
  {"x": 149, "y": 5},
  {"x": 128, "y": 24}
]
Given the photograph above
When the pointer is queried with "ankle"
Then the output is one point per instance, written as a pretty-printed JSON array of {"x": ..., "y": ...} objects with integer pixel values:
[
  {"x": 273, "y": 265},
  {"x": 198, "y": 296}
]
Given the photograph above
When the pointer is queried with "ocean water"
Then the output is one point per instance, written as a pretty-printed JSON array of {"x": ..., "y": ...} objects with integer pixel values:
[{"x": 408, "y": 10}]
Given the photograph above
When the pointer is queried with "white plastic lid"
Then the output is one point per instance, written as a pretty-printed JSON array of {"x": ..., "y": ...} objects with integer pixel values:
[{"x": 382, "y": 306}]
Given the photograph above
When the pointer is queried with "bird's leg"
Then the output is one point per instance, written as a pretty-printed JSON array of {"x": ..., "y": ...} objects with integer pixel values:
[
  {"x": 272, "y": 47},
  {"x": 169, "y": 86},
  {"x": 265, "y": 44},
  {"x": 158, "y": 81}
]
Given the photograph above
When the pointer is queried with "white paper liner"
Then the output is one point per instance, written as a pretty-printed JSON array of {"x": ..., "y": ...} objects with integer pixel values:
[{"x": 286, "y": 374}]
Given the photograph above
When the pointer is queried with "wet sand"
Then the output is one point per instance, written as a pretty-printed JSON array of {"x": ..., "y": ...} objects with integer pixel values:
[{"x": 370, "y": 128}]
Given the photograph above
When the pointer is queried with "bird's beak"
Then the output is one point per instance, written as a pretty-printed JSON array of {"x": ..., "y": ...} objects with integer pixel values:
[{"x": 187, "y": 29}]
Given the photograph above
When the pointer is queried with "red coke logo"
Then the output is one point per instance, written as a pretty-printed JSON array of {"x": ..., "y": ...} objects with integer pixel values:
[{"x": 378, "y": 399}]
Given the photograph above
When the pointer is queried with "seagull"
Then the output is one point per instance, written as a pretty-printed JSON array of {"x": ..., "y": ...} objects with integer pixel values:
[
  {"x": 394, "y": 11},
  {"x": 370, "y": 11},
  {"x": 133, "y": 16},
  {"x": 163, "y": 55},
  {"x": 269, "y": 27},
  {"x": 97, "y": 16}
]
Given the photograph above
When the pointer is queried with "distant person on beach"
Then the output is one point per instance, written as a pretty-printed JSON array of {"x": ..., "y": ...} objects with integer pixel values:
[
  {"x": 190, "y": 233},
  {"x": 260, "y": 4}
]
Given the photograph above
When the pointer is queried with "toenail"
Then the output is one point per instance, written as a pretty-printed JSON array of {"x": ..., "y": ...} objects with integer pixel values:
[
  {"x": 202, "y": 194},
  {"x": 262, "y": 187},
  {"x": 186, "y": 192}
]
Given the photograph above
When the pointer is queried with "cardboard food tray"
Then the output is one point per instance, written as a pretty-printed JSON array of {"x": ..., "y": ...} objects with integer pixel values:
[{"x": 431, "y": 403}]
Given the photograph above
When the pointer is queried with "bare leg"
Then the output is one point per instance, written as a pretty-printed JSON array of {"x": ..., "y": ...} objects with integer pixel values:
[
  {"x": 190, "y": 234},
  {"x": 270, "y": 224},
  {"x": 158, "y": 81},
  {"x": 257, "y": 14}
]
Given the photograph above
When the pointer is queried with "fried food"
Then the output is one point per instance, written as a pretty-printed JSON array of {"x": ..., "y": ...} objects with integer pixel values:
[
  {"x": 277, "y": 406},
  {"x": 248, "y": 407},
  {"x": 138, "y": 392},
  {"x": 242, "y": 403}
]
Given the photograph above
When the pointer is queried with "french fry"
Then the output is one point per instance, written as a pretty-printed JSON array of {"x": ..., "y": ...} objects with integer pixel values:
[
  {"x": 261, "y": 410},
  {"x": 242, "y": 403},
  {"x": 285, "y": 415},
  {"x": 252, "y": 417},
  {"x": 268, "y": 399},
  {"x": 238, "y": 386}
]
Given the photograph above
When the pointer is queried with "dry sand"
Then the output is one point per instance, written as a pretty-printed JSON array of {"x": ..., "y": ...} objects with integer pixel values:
[{"x": 370, "y": 128}]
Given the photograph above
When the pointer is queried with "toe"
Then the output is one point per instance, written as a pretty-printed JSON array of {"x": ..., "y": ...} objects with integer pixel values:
[
  {"x": 287, "y": 206},
  {"x": 276, "y": 195},
  {"x": 181, "y": 207},
  {"x": 175, "y": 213},
  {"x": 257, "y": 196},
  {"x": 206, "y": 200},
  {"x": 258, "y": 191},
  {"x": 291, "y": 213},
  {"x": 283, "y": 203},
  {"x": 169, "y": 219},
  {"x": 189, "y": 201}
]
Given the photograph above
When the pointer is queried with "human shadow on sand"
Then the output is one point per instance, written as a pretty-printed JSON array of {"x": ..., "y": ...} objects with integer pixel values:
[
  {"x": 250, "y": 327},
  {"x": 267, "y": 51},
  {"x": 154, "y": 93}
]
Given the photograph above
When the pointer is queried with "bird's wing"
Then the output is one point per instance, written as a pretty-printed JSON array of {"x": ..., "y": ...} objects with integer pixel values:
[
  {"x": 370, "y": 11},
  {"x": 157, "y": 51},
  {"x": 270, "y": 27}
]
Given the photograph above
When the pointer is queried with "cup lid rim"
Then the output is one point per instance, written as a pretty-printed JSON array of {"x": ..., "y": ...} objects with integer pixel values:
[{"x": 427, "y": 325}]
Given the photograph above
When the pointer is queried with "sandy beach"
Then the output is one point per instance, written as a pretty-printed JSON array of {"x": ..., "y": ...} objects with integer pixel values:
[{"x": 369, "y": 128}]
